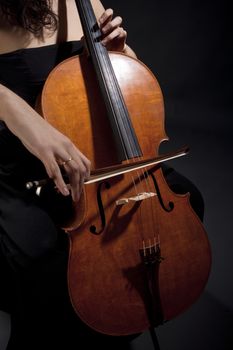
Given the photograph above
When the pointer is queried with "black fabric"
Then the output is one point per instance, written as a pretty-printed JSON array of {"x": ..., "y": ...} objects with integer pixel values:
[
  {"x": 24, "y": 71},
  {"x": 22, "y": 218}
]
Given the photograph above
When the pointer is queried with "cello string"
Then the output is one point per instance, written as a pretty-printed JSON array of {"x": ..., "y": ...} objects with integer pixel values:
[
  {"x": 144, "y": 175},
  {"x": 98, "y": 48},
  {"x": 98, "y": 51}
]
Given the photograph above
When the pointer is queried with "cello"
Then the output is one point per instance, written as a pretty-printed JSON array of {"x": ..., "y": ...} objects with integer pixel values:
[{"x": 139, "y": 255}]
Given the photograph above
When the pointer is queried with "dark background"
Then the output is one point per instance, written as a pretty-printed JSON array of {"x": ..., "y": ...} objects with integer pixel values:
[{"x": 188, "y": 46}]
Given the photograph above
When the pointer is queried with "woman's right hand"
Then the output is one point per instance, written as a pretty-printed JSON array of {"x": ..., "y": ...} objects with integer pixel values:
[{"x": 54, "y": 149}]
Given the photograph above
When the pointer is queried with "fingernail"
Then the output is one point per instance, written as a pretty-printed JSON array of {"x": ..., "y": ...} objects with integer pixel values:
[
  {"x": 65, "y": 191},
  {"x": 75, "y": 198}
]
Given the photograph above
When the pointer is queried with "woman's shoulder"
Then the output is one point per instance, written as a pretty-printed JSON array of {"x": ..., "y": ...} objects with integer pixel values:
[{"x": 13, "y": 38}]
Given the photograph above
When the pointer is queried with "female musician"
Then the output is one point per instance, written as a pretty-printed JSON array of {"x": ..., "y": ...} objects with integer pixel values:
[{"x": 34, "y": 37}]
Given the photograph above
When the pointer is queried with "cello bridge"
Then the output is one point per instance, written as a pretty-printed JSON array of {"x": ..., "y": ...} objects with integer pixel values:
[{"x": 139, "y": 197}]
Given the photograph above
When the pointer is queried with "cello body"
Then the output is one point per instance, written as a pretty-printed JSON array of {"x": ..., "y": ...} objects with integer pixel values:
[{"x": 139, "y": 255}]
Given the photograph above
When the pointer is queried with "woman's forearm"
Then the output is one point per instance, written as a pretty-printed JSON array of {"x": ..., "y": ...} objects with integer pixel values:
[
  {"x": 44, "y": 141},
  {"x": 14, "y": 111}
]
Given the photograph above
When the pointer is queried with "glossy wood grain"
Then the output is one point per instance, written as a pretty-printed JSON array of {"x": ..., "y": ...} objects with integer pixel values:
[{"x": 106, "y": 276}]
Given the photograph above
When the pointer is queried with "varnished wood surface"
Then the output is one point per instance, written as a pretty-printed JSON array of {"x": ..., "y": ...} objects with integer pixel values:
[{"x": 106, "y": 276}]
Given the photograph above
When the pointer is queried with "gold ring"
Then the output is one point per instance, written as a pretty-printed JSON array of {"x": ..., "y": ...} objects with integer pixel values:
[{"x": 67, "y": 161}]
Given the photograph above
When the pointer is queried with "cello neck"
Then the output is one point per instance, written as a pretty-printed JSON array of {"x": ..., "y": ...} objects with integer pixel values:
[{"x": 123, "y": 132}]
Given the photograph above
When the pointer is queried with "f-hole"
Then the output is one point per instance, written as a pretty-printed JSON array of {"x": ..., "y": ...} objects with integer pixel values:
[
  {"x": 93, "y": 228},
  {"x": 170, "y": 205}
]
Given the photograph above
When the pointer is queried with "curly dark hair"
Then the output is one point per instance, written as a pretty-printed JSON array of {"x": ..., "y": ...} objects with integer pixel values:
[{"x": 32, "y": 15}]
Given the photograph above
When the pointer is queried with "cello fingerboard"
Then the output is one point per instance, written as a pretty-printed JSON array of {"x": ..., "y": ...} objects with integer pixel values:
[{"x": 123, "y": 132}]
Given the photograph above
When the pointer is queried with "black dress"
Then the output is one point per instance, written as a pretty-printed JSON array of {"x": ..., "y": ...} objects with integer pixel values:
[
  {"x": 33, "y": 250},
  {"x": 24, "y": 72}
]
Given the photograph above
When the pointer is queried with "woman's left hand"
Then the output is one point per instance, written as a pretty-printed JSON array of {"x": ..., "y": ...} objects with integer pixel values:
[{"x": 113, "y": 35}]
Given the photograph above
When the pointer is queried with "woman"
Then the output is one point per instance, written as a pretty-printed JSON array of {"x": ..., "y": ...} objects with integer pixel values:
[{"x": 34, "y": 37}]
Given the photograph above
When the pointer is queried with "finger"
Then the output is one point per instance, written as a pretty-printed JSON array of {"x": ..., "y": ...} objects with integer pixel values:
[
  {"x": 54, "y": 172},
  {"x": 81, "y": 160},
  {"x": 76, "y": 173},
  {"x": 87, "y": 165},
  {"x": 74, "y": 154},
  {"x": 106, "y": 16},
  {"x": 111, "y": 25},
  {"x": 119, "y": 34},
  {"x": 74, "y": 161},
  {"x": 74, "y": 180},
  {"x": 76, "y": 195}
]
